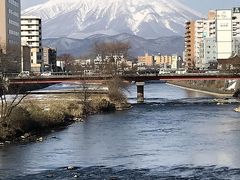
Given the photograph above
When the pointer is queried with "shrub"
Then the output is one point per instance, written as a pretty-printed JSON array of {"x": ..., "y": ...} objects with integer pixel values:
[{"x": 116, "y": 89}]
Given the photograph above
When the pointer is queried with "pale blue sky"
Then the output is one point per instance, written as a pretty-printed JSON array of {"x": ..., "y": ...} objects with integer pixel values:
[{"x": 200, "y": 5}]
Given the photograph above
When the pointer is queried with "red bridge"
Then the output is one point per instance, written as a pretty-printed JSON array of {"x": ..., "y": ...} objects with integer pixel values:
[{"x": 130, "y": 78}]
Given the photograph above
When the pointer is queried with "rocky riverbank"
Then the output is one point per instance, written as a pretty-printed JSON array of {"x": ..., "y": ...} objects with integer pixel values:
[
  {"x": 101, "y": 172},
  {"x": 36, "y": 117}
]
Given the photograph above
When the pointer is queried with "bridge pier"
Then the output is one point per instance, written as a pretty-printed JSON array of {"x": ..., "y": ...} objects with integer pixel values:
[{"x": 140, "y": 92}]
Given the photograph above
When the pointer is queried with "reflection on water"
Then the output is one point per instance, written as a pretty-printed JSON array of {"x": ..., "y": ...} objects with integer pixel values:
[{"x": 173, "y": 129}]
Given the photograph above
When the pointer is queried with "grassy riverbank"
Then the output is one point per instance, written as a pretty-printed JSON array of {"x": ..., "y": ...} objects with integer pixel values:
[{"x": 36, "y": 116}]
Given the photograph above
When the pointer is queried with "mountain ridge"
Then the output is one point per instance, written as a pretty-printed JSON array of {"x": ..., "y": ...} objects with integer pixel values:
[{"x": 139, "y": 46}]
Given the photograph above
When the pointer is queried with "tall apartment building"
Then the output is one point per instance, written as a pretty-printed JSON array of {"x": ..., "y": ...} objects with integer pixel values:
[
  {"x": 224, "y": 33},
  {"x": 31, "y": 33},
  {"x": 208, "y": 40},
  {"x": 189, "y": 44},
  {"x": 10, "y": 34},
  {"x": 198, "y": 42},
  {"x": 236, "y": 30},
  {"x": 236, "y": 22}
]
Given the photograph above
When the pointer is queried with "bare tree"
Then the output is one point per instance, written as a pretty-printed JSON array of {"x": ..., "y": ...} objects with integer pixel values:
[
  {"x": 10, "y": 62},
  {"x": 110, "y": 53},
  {"x": 68, "y": 61},
  {"x": 8, "y": 104}
]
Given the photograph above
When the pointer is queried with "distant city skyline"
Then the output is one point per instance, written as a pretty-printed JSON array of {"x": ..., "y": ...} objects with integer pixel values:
[{"x": 201, "y": 6}]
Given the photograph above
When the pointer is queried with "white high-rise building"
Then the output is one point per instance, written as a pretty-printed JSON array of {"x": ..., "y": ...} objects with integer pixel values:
[
  {"x": 224, "y": 34},
  {"x": 10, "y": 33},
  {"x": 236, "y": 30},
  {"x": 236, "y": 22},
  {"x": 31, "y": 33},
  {"x": 204, "y": 42}
]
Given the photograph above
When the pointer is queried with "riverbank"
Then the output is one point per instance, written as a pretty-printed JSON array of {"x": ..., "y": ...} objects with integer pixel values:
[
  {"x": 215, "y": 88},
  {"x": 40, "y": 115},
  {"x": 221, "y": 93},
  {"x": 202, "y": 91}
]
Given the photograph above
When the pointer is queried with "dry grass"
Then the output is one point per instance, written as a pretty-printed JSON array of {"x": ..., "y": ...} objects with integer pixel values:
[{"x": 37, "y": 115}]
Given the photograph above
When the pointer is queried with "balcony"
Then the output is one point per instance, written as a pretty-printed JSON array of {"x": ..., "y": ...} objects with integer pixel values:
[{"x": 30, "y": 33}]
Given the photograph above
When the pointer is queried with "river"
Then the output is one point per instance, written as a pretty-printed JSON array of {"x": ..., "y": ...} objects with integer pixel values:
[{"x": 177, "y": 133}]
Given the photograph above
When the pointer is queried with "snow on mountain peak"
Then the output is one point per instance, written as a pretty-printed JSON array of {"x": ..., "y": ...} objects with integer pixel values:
[{"x": 82, "y": 18}]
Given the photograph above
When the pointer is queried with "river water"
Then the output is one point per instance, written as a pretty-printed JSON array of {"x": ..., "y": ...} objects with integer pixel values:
[{"x": 177, "y": 133}]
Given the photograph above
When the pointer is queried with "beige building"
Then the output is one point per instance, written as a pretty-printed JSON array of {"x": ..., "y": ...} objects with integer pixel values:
[
  {"x": 49, "y": 58},
  {"x": 31, "y": 33},
  {"x": 163, "y": 61},
  {"x": 189, "y": 44},
  {"x": 10, "y": 34},
  {"x": 146, "y": 60},
  {"x": 212, "y": 15}
]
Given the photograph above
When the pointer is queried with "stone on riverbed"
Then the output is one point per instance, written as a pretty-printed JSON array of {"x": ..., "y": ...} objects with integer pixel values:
[
  {"x": 71, "y": 168},
  {"x": 237, "y": 109},
  {"x": 40, "y": 139}
]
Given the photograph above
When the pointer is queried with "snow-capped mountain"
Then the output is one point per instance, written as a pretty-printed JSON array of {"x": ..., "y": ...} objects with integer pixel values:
[{"x": 83, "y": 18}]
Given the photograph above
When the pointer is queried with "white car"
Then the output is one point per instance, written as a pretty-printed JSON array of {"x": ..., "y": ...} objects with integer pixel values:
[
  {"x": 24, "y": 74},
  {"x": 46, "y": 74}
]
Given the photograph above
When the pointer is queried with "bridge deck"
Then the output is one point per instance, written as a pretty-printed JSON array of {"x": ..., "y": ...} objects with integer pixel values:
[{"x": 137, "y": 78}]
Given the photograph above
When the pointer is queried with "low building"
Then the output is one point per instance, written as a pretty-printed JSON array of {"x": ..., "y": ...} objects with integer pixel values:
[
  {"x": 236, "y": 45},
  {"x": 25, "y": 58},
  {"x": 146, "y": 60},
  {"x": 210, "y": 52},
  {"x": 49, "y": 58},
  {"x": 232, "y": 63},
  {"x": 163, "y": 61}
]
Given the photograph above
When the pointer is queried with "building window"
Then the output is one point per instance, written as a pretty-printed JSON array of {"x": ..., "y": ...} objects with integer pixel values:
[
  {"x": 14, "y": 23},
  {"x": 11, "y": 32},
  {"x": 16, "y": 14},
  {"x": 14, "y": 2}
]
